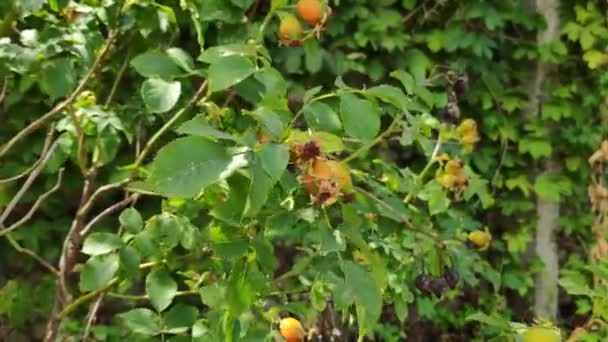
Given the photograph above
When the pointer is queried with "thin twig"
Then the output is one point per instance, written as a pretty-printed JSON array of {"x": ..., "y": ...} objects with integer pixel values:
[
  {"x": 32, "y": 254},
  {"x": 84, "y": 209},
  {"x": 26, "y": 185},
  {"x": 121, "y": 72},
  {"x": 197, "y": 96},
  {"x": 34, "y": 208},
  {"x": 63, "y": 104},
  {"x": 108, "y": 211},
  {"x": 427, "y": 167},
  {"x": 376, "y": 141},
  {"x": 3, "y": 91},
  {"x": 45, "y": 149},
  {"x": 92, "y": 316}
]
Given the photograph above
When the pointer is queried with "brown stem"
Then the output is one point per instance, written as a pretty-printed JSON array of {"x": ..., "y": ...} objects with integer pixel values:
[{"x": 67, "y": 259}]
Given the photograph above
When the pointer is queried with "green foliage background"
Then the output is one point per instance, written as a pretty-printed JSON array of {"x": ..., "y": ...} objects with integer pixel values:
[{"x": 176, "y": 263}]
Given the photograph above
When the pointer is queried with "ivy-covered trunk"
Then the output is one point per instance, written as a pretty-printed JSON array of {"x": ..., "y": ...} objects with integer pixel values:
[{"x": 547, "y": 209}]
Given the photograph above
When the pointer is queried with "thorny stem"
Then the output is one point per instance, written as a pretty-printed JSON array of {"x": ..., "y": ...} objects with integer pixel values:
[{"x": 63, "y": 104}]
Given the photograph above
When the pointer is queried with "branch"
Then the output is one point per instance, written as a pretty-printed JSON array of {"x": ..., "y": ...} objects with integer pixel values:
[
  {"x": 197, "y": 96},
  {"x": 25, "y": 187},
  {"x": 426, "y": 168},
  {"x": 374, "y": 142},
  {"x": 84, "y": 209},
  {"x": 34, "y": 208},
  {"x": 45, "y": 149},
  {"x": 63, "y": 104},
  {"x": 118, "y": 78},
  {"x": 404, "y": 219},
  {"x": 108, "y": 211},
  {"x": 32, "y": 254},
  {"x": 83, "y": 299}
]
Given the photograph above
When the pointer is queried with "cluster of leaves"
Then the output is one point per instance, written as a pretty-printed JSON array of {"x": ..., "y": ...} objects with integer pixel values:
[{"x": 217, "y": 236}]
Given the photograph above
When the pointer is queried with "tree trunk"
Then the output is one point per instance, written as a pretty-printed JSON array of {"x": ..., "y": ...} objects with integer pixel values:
[{"x": 546, "y": 295}]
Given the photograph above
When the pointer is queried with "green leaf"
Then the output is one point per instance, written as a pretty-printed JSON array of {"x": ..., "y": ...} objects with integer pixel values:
[
  {"x": 129, "y": 262},
  {"x": 165, "y": 231},
  {"x": 438, "y": 201},
  {"x": 239, "y": 294},
  {"x": 536, "y": 148},
  {"x": 213, "y": 296},
  {"x": 264, "y": 252},
  {"x": 216, "y": 53},
  {"x": 180, "y": 318},
  {"x": 101, "y": 243},
  {"x": 391, "y": 95},
  {"x": 229, "y": 71},
  {"x": 57, "y": 77},
  {"x": 230, "y": 210},
  {"x": 160, "y": 288},
  {"x": 155, "y": 63},
  {"x": 141, "y": 321},
  {"x": 181, "y": 58},
  {"x": 187, "y": 165},
  {"x": 367, "y": 296},
  {"x": 321, "y": 116},
  {"x": 274, "y": 159},
  {"x": 312, "y": 56},
  {"x": 495, "y": 320},
  {"x": 435, "y": 40},
  {"x": 198, "y": 126},
  {"x": 330, "y": 241},
  {"x": 408, "y": 82},
  {"x": 98, "y": 271},
  {"x": 227, "y": 246},
  {"x": 311, "y": 93},
  {"x": 317, "y": 296},
  {"x": 261, "y": 185},
  {"x": 361, "y": 118},
  {"x": 160, "y": 96},
  {"x": 270, "y": 120},
  {"x": 131, "y": 220}
]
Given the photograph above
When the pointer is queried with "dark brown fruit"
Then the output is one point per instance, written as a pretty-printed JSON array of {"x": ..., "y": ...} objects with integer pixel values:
[
  {"x": 451, "y": 276},
  {"x": 438, "y": 286},
  {"x": 423, "y": 283}
]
